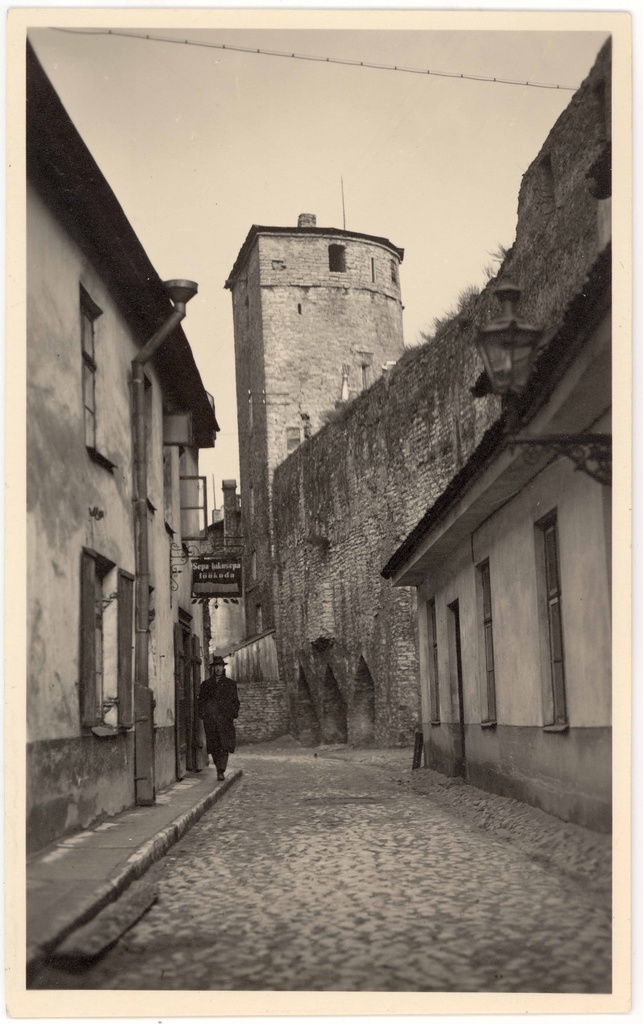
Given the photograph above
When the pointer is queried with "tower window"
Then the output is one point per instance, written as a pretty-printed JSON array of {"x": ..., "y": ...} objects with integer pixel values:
[
  {"x": 299, "y": 307},
  {"x": 372, "y": 268},
  {"x": 293, "y": 438},
  {"x": 394, "y": 272},
  {"x": 365, "y": 369},
  {"x": 337, "y": 258}
]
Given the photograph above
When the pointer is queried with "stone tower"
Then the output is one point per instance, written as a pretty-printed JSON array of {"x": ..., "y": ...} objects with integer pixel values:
[{"x": 317, "y": 317}]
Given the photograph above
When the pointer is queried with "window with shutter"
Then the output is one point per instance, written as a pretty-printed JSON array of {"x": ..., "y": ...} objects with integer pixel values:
[
  {"x": 486, "y": 625},
  {"x": 93, "y": 599},
  {"x": 551, "y": 596}
]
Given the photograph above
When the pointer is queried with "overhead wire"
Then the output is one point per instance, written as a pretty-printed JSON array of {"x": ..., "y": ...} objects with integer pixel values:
[{"x": 319, "y": 60}]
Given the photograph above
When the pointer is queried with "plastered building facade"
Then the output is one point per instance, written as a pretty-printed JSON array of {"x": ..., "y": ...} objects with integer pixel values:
[{"x": 93, "y": 300}]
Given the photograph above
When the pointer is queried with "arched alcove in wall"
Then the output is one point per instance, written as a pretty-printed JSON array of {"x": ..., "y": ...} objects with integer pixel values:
[
  {"x": 361, "y": 711},
  {"x": 307, "y": 728},
  {"x": 333, "y": 716}
]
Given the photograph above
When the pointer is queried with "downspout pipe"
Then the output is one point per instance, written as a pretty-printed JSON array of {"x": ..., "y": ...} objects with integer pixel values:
[{"x": 180, "y": 292}]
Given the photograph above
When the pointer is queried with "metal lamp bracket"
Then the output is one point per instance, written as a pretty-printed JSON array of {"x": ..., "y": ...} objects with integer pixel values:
[{"x": 592, "y": 453}]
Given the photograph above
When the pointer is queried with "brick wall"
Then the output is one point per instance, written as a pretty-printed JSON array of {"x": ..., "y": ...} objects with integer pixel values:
[{"x": 346, "y": 499}]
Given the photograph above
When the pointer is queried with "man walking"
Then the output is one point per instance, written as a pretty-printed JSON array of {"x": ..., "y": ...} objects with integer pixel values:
[{"x": 218, "y": 705}]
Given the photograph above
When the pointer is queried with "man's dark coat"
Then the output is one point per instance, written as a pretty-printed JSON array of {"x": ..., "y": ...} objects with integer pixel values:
[{"x": 218, "y": 704}]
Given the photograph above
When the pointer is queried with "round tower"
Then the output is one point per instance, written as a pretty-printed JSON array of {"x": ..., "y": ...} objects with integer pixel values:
[{"x": 317, "y": 318}]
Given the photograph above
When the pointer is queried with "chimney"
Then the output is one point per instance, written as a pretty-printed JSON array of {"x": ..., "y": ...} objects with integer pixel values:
[
  {"x": 229, "y": 499},
  {"x": 307, "y": 220}
]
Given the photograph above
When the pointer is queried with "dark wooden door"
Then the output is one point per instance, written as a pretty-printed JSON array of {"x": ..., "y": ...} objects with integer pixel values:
[
  {"x": 196, "y": 753},
  {"x": 181, "y": 664}
]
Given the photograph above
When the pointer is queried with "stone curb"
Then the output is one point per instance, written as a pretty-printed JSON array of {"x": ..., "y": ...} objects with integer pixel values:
[{"x": 136, "y": 865}]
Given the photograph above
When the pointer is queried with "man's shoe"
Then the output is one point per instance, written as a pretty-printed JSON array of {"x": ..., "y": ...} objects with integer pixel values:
[{"x": 220, "y": 776}]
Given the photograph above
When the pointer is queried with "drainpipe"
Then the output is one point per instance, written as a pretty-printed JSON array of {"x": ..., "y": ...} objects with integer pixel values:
[{"x": 180, "y": 292}]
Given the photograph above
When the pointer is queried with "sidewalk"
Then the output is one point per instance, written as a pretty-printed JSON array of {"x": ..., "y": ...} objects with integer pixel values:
[{"x": 70, "y": 881}]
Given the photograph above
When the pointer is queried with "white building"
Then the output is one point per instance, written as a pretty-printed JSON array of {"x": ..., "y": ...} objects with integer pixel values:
[
  {"x": 512, "y": 566},
  {"x": 110, "y": 718}
]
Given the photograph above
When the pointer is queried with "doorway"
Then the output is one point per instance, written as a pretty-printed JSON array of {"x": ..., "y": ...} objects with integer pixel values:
[
  {"x": 187, "y": 679},
  {"x": 457, "y": 690}
]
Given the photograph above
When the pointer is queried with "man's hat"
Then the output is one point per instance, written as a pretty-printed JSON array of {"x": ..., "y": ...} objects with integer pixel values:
[{"x": 218, "y": 660}]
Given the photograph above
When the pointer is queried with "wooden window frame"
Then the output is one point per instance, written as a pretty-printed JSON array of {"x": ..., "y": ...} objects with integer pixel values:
[
  {"x": 202, "y": 504},
  {"x": 89, "y": 314},
  {"x": 94, "y": 568},
  {"x": 555, "y": 710},
  {"x": 486, "y": 643}
]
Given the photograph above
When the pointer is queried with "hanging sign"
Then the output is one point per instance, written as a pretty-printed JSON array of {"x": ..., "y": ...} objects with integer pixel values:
[{"x": 216, "y": 576}]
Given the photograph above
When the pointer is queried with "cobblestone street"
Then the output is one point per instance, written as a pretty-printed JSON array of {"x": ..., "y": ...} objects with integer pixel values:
[{"x": 339, "y": 873}]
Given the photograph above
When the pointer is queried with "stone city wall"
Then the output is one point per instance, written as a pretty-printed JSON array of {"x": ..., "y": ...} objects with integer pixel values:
[{"x": 344, "y": 501}]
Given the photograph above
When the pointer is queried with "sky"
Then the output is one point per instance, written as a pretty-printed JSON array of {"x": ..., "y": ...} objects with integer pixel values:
[{"x": 200, "y": 143}]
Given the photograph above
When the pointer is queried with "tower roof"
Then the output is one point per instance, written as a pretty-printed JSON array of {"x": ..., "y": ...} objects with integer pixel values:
[{"x": 259, "y": 229}]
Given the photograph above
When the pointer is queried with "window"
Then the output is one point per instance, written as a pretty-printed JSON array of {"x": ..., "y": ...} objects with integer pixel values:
[
  {"x": 546, "y": 181},
  {"x": 258, "y": 619},
  {"x": 253, "y": 566},
  {"x": 252, "y": 501},
  {"x": 372, "y": 268},
  {"x": 434, "y": 693},
  {"x": 394, "y": 278},
  {"x": 293, "y": 438},
  {"x": 95, "y": 597},
  {"x": 194, "y": 505},
  {"x": 337, "y": 258},
  {"x": 551, "y": 598},
  {"x": 250, "y": 414},
  {"x": 89, "y": 314},
  {"x": 299, "y": 308},
  {"x": 365, "y": 369},
  {"x": 486, "y": 629}
]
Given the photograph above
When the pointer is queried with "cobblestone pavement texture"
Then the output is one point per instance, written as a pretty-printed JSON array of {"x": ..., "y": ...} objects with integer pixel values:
[{"x": 346, "y": 871}]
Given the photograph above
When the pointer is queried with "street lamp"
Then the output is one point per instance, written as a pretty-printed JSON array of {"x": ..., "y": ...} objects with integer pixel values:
[{"x": 509, "y": 348}]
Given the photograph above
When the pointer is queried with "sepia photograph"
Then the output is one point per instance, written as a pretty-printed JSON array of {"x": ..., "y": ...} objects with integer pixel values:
[{"x": 319, "y": 316}]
